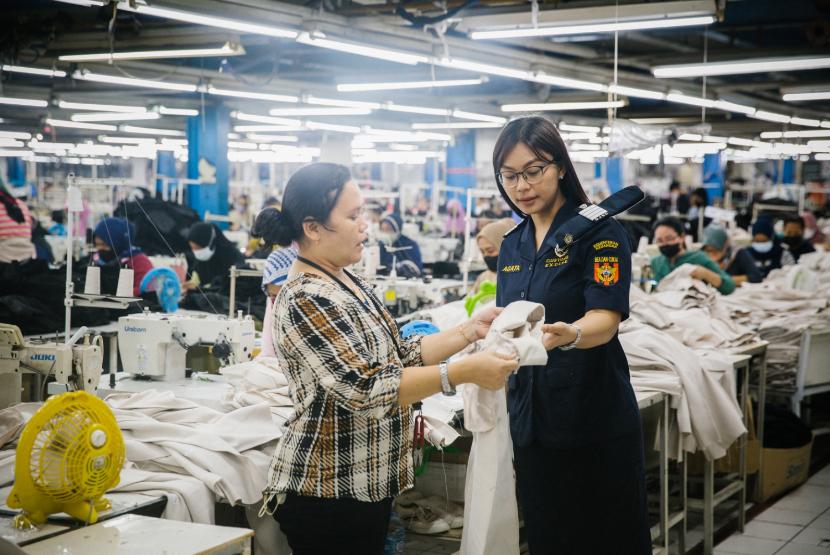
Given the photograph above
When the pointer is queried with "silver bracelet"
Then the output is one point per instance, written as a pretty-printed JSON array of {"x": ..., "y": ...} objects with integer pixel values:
[
  {"x": 446, "y": 387},
  {"x": 573, "y": 343}
]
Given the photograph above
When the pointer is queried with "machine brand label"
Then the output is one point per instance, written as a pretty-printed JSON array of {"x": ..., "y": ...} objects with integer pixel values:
[
  {"x": 43, "y": 356},
  {"x": 133, "y": 329}
]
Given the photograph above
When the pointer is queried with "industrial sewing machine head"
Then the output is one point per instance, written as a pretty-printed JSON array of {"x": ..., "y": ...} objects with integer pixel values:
[
  {"x": 155, "y": 345},
  {"x": 76, "y": 364}
]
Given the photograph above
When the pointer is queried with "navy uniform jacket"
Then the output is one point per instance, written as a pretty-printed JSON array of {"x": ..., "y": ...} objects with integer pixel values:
[{"x": 581, "y": 396}]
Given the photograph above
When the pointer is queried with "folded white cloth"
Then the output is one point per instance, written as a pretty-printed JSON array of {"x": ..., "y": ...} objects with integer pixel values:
[{"x": 518, "y": 329}]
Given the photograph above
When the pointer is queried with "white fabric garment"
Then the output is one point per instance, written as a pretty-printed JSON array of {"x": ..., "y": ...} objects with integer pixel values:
[
  {"x": 188, "y": 499},
  {"x": 708, "y": 416},
  {"x": 491, "y": 515},
  {"x": 229, "y": 453},
  {"x": 259, "y": 381}
]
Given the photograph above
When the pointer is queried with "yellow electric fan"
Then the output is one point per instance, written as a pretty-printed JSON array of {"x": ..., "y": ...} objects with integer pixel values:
[{"x": 68, "y": 455}]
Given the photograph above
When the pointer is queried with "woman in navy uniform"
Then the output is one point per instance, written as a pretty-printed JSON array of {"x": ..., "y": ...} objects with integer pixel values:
[{"x": 575, "y": 423}]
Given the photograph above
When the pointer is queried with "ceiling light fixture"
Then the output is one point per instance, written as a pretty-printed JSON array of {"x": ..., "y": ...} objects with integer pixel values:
[
  {"x": 319, "y": 39},
  {"x": 165, "y": 111},
  {"x": 310, "y": 99},
  {"x": 33, "y": 71},
  {"x": 461, "y": 114},
  {"x": 227, "y": 49},
  {"x": 320, "y": 111},
  {"x": 727, "y": 106},
  {"x": 771, "y": 116},
  {"x": 554, "y": 31},
  {"x": 23, "y": 102},
  {"x": 806, "y": 122},
  {"x": 406, "y": 85},
  {"x": 681, "y": 98},
  {"x": 739, "y": 67},
  {"x": 85, "y": 75},
  {"x": 458, "y": 125},
  {"x": 210, "y": 89},
  {"x": 80, "y": 125},
  {"x": 242, "y": 116},
  {"x": 562, "y": 106},
  {"x": 392, "y": 107},
  {"x": 578, "y": 128},
  {"x": 67, "y": 105},
  {"x": 151, "y": 131},
  {"x": 15, "y": 135},
  {"x": 805, "y": 96},
  {"x": 115, "y": 116},
  {"x": 636, "y": 93}
]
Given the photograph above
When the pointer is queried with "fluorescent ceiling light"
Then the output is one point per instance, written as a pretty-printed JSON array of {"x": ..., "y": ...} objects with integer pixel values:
[
  {"x": 85, "y": 3},
  {"x": 252, "y": 95},
  {"x": 273, "y": 138},
  {"x": 578, "y": 128},
  {"x": 320, "y": 111},
  {"x": 690, "y": 100},
  {"x": 469, "y": 65},
  {"x": 309, "y": 99},
  {"x": 227, "y": 49},
  {"x": 461, "y": 114},
  {"x": 85, "y": 75},
  {"x": 392, "y": 107},
  {"x": 727, "y": 106},
  {"x": 806, "y": 122},
  {"x": 80, "y": 125},
  {"x": 199, "y": 18},
  {"x": 66, "y": 105},
  {"x": 637, "y": 93},
  {"x": 591, "y": 28},
  {"x": 242, "y": 116},
  {"x": 242, "y": 145},
  {"x": 406, "y": 85},
  {"x": 15, "y": 153},
  {"x": 318, "y": 125},
  {"x": 33, "y": 70},
  {"x": 113, "y": 116},
  {"x": 151, "y": 131},
  {"x": 738, "y": 67},
  {"x": 460, "y": 125},
  {"x": 163, "y": 110},
  {"x": 11, "y": 143},
  {"x": 771, "y": 116},
  {"x": 743, "y": 142},
  {"x": 568, "y": 83},
  {"x": 266, "y": 128},
  {"x": 812, "y": 133},
  {"x": 562, "y": 106},
  {"x": 15, "y": 135},
  {"x": 23, "y": 102},
  {"x": 319, "y": 39},
  {"x": 804, "y": 96},
  {"x": 108, "y": 139}
]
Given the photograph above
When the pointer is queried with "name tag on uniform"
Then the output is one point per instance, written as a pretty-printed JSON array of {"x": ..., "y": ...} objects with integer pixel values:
[
  {"x": 556, "y": 262},
  {"x": 512, "y": 268}
]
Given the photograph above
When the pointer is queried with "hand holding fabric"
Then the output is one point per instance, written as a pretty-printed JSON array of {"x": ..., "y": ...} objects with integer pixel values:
[{"x": 482, "y": 320}]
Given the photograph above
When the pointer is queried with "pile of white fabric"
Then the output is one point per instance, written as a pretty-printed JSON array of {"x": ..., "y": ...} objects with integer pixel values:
[{"x": 259, "y": 381}]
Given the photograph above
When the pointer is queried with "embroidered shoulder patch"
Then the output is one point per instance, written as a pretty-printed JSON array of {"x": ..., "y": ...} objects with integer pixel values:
[
  {"x": 606, "y": 245},
  {"x": 606, "y": 270}
]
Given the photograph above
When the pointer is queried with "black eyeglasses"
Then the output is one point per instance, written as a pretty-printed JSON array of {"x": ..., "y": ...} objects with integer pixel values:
[{"x": 531, "y": 175}]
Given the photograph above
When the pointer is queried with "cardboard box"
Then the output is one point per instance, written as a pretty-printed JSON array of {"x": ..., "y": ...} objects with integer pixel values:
[{"x": 784, "y": 469}]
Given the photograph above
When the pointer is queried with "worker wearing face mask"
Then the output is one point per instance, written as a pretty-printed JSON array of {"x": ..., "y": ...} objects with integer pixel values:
[
  {"x": 214, "y": 255},
  {"x": 398, "y": 248},
  {"x": 669, "y": 236},
  {"x": 766, "y": 249},
  {"x": 489, "y": 241},
  {"x": 794, "y": 239},
  {"x": 114, "y": 247}
]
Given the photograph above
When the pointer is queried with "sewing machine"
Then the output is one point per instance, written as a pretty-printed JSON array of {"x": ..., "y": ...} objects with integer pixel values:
[
  {"x": 77, "y": 366},
  {"x": 155, "y": 345},
  {"x": 406, "y": 296}
]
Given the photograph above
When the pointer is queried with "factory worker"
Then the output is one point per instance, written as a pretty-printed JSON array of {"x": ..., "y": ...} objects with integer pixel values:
[
  {"x": 812, "y": 231},
  {"x": 456, "y": 216},
  {"x": 766, "y": 249},
  {"x": 280, "y": 258},
  {"x": 574, "y": 422},
  {"x": 113, "y": 238},
  {"x": 670, "y": 238},
  {"x": 408, "y": 259},
  {"x": 738, "y": 263},
  {"x": 794, "y": 240},
  {"x": 489, "y": 241},
  {"x": 214, "y": 255}
]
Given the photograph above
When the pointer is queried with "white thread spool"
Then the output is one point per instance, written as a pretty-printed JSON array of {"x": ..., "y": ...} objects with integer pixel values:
[
  {"x": 92, "y": 285},
  {"x": 125, "y": 283}
]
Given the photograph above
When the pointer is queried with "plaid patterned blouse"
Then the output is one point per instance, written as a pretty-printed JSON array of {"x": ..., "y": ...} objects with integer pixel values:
[{"x": 348, "y": 437}]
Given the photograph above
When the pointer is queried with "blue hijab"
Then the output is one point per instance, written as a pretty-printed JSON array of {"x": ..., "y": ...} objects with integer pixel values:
[{"x": 118, "y": 234}]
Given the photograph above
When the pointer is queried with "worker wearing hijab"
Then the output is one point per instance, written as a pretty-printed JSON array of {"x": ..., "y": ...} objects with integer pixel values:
[
  {"x": 214, "y": 255},
  {"x": 489, "y": 241},
  {"x": 812, "y": 232},
  {"x": 455, "y": 218},
  {"x": 396, "y": 246},
  {"x": 113, "y": 239}
]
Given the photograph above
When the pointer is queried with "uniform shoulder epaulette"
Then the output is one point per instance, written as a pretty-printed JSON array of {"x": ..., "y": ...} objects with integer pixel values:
[
  {"x": 515, "y": 227},
  {"x": 592, "y": 215}
]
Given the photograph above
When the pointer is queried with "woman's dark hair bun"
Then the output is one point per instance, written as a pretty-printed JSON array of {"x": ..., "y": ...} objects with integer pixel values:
[{"x": 272, "y": 227}]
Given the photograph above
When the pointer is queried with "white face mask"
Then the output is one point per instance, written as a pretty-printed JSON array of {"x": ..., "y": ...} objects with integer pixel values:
[
  {"x": 763, "y": 248},
  {"x": 204, "y": 254},
  {"x": 808, "y": 234},
  {"x": 386, "y": 238}
]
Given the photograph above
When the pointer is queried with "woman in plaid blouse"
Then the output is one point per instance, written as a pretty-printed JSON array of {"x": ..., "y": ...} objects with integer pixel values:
[{"x": 346, "y": 452}]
